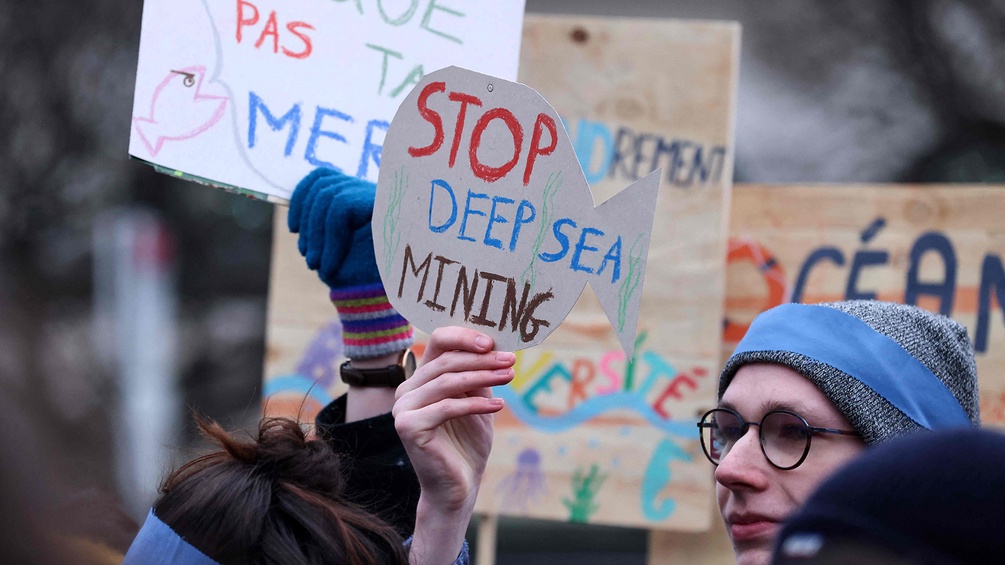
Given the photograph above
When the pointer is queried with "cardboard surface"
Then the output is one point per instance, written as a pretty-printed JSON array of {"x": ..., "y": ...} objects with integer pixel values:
[
  {"x": 590, "y": 434},
  {"x": 483, "y": 217},
  {"x": 251, "y": 95}
]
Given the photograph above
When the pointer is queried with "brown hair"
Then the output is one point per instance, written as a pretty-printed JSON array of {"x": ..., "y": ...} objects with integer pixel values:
[{"x": 275, "y": 499}]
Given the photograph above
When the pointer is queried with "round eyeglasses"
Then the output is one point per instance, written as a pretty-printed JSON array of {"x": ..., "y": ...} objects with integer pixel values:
[{"x": 784, "y": 436}]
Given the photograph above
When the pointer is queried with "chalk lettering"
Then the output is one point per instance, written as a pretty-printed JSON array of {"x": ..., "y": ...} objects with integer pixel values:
[
  {"x": 403, "y": 18},
  {"x": 561, "y": 238},
  {"x": 317, "y": 133},
  {"x": 465, "y": 291},
  {"x": 383, "y": 64},
  {"x": 535, "y": 151},
  {"x": 582, "y": 246},
  {"x": 412, "y": 78},
  {"x": 371, "y": 150},
  {"x": 513, "y": 317},
  {"x": 431, "y": 116},
  {"x": 427, "y": 18},
  {"x": 510, "y": 309},
  {"x": 462, "y": 112},
  {"x": 271, "y": 30},
  {"x": 292, "y": 117},
  {"x": 486, "y": 172},
  {"x": 432, "y": 304},
  {"x": 453, "y": 206},
  {"x": 521, "y": 219},
  {"x": 613, "y": 255},
  {"x": 482, "y": 318},
  {"x": 495, "y": 218},
  {"x": 424, "y": 267},
  {"x": 469, "y": 211},
  {"x": 294, "y": 28}
]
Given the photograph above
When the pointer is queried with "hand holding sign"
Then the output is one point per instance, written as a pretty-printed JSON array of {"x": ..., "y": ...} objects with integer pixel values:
[{"x": 483, "y": 216}]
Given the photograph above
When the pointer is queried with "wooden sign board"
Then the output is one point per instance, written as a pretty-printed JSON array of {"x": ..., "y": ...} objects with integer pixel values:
[
  {"x": 589, "y": 434},
  {"x": 940, "y": 247},
  {"x": 251, "y": 95}
]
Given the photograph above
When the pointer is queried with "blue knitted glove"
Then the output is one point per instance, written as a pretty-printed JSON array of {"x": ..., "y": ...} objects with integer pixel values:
[{"x": 331, "y": 212}]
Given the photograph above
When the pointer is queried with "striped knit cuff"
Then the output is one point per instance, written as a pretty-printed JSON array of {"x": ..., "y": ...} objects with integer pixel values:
[{"x": 371, "y": 327}]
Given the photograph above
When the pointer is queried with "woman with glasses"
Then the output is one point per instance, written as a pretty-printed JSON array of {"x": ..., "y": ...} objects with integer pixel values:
[{"x": 809, "y": 387}]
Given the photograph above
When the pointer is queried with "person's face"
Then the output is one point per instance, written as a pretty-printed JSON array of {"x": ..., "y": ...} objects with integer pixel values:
[{"x": 755, "y": 497}]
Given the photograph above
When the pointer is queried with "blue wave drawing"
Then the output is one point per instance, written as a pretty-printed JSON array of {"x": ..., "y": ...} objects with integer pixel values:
[
  {"x": 592, "y": 408},
  {"x": 296, "y": 384}
]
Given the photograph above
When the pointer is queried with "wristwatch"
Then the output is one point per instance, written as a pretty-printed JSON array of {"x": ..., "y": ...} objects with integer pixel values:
[{"x": 390, "y": 376}]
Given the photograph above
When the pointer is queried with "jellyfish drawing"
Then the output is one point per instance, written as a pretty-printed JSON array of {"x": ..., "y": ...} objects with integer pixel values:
[{"x": 522, "y": 488}]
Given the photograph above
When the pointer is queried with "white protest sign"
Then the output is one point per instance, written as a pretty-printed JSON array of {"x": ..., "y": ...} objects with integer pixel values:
[
  {"x": 251, "y": 95},
  {"x": 483, "y": 216}
]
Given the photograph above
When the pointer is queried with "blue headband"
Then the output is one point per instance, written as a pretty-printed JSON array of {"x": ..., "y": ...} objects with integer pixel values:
[
  {"x": 853, "y": 347},
  {"x": 158, "y": 544}
]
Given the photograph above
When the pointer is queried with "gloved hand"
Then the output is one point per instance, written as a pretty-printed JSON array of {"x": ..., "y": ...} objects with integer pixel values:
[{"x": 331, "y": 211}]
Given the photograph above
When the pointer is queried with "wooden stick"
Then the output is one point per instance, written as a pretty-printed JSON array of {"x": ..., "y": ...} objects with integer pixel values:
[{"x": 488, "y": 524}]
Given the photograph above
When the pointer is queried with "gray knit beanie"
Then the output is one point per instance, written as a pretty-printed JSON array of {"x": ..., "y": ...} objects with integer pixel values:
[{"x": 874, "y": 360}]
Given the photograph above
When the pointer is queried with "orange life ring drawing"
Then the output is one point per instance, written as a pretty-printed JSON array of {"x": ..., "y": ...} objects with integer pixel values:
[{"x": 746, "y": 249}]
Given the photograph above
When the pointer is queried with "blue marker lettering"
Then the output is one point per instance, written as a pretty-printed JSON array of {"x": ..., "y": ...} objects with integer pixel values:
[
  {"x": 581, "y": 246},
  {"x": 453, "y": 206},
  {"x": 468, "y": 211},
  {"x": 317, "y": 133},
  {"x": 293, "y": 115},
  {"x": 494, "y": 219},
  {"x": 520, "y": 221},
  {"x": 562, "y": 239},
  {"x": 613, "y": 255},
  {"x": 371, "y": 149}
]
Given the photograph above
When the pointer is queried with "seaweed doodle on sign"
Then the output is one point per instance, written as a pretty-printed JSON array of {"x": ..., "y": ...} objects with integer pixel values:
[
  {"x": 465, "y": 221},
  {"x": 585, "y": 486}
]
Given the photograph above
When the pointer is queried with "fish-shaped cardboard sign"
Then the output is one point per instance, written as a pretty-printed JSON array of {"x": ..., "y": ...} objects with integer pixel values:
[{"x": 483, "y": 216}]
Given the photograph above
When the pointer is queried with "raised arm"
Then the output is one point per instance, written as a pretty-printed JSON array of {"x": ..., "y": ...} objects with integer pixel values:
[{"x": 443, "y": 415}]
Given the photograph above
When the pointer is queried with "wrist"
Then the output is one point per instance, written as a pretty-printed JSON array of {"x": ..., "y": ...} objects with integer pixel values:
[
  {"x": 439, "y": 532},
  {"x": 368, "y": 402},
  {"x": 376, "y": 362}
]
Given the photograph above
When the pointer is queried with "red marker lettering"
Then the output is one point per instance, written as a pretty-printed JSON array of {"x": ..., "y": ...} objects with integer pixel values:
[
  {"x": 271, "y": 28},
  {"x": 241, "y": 20},
  {"x": 485, "y": 172},
  {"x": 308, "y": 47},
  {"x": 535, "y": 140},
  {"x": 464, "y": 99},
  {"x": 431, "y": 116}
]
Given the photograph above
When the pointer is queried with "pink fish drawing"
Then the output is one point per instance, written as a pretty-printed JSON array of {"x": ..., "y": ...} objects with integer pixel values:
[{"x": 179, "y": 110}]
